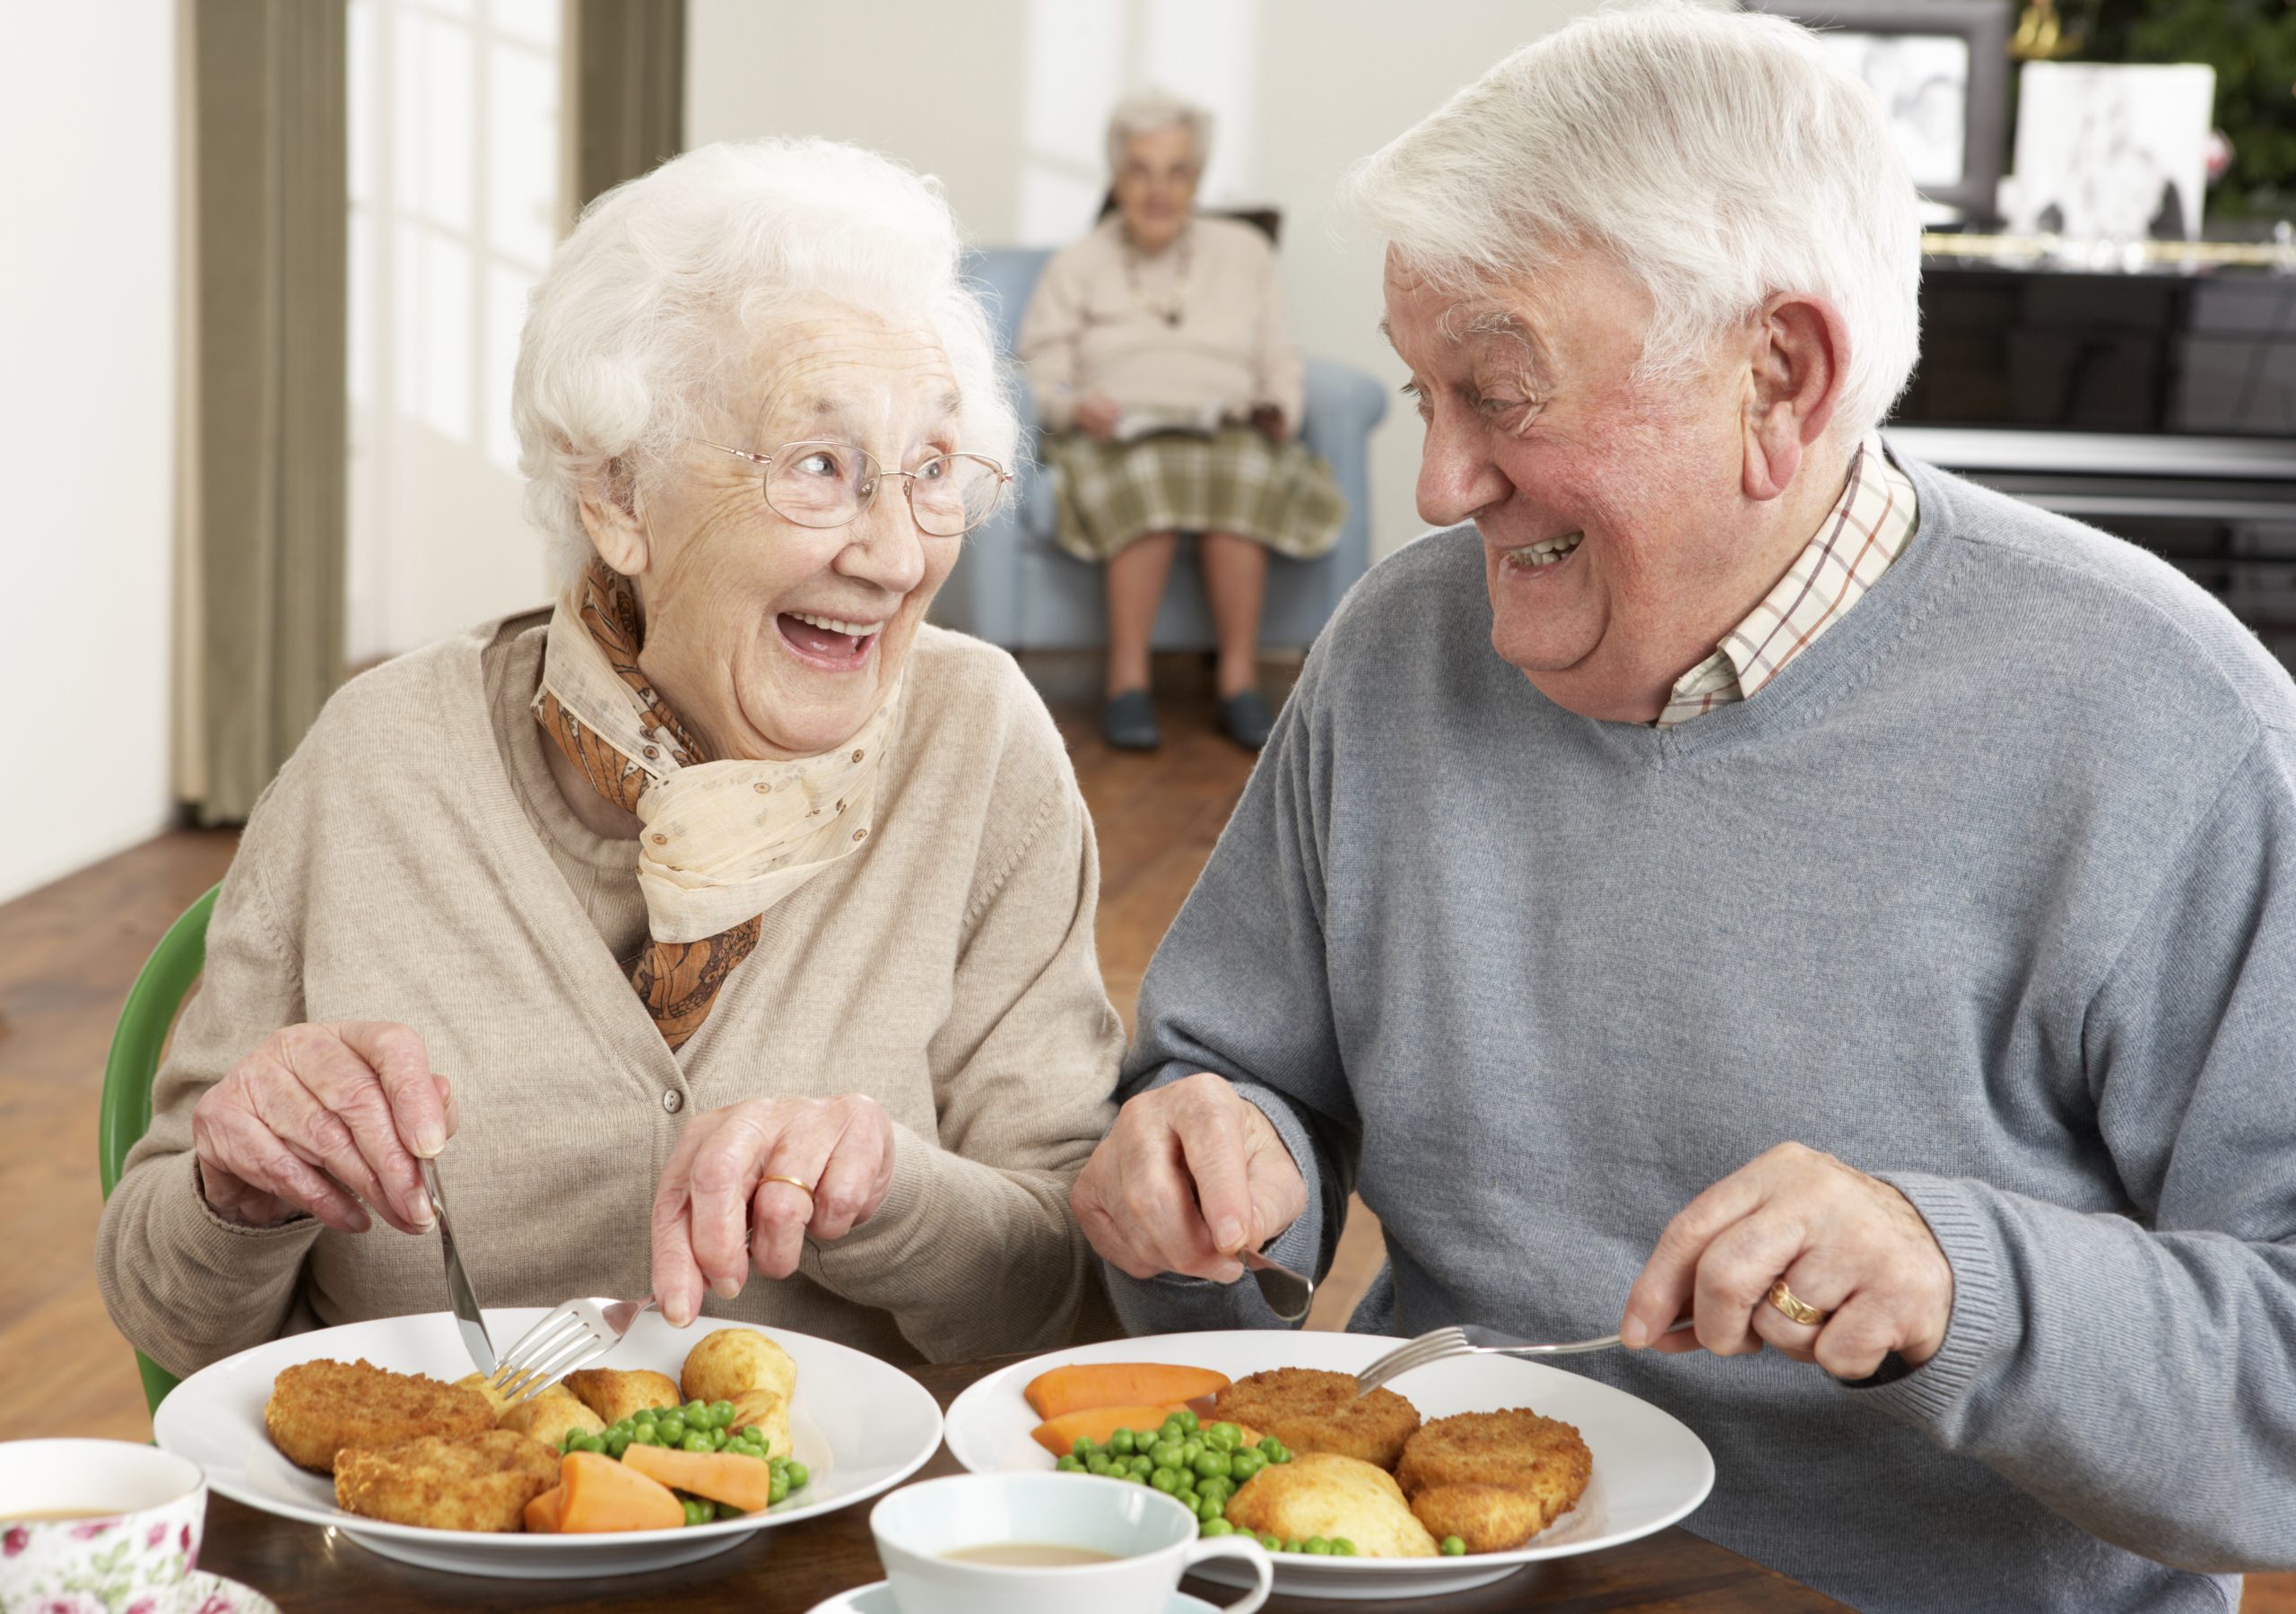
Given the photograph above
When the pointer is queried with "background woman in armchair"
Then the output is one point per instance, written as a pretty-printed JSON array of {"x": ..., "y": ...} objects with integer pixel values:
[{"x": 1169, "y": 388}]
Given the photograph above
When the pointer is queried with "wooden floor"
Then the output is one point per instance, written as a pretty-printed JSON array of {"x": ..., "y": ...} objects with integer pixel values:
[{"x": 69, "y": 951}]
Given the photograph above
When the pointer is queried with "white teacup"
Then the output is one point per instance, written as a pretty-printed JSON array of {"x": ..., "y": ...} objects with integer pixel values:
[
  {"x": 96, "y": 1523},
  {"x": 1151, "y": 1539}
]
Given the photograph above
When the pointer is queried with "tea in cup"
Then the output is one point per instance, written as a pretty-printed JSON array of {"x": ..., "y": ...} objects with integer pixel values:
[
  {"x": 1045, "y": 1544},
  {"x": 96, "y": 1522}
]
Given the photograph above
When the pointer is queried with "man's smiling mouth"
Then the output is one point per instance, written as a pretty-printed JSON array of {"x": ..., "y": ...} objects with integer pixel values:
[{"x": 1547, "y": 552}]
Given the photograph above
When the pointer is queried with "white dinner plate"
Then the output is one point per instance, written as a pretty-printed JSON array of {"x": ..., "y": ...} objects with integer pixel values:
[
  {"x": 877, "y": 1598},
  {"x": 1649, "y": 1470},
  {"x": 861, "y": 1425}
]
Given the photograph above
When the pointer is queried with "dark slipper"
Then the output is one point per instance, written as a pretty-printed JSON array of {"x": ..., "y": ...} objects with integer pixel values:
[
  {"x": 1246, "y": 719},
  {"x": 1128, "y": 722}
]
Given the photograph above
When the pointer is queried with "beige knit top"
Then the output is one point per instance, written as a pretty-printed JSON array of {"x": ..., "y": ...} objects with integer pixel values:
[
  {"x": 1097, "y": 324},
  {"x": 414, "y": 862}
]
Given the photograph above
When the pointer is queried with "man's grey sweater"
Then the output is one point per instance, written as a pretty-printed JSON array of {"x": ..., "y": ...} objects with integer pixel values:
[{"x": 1991, "y": 893}]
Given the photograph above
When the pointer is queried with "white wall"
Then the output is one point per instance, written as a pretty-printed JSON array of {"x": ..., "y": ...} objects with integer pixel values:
[
  {"x": 87, "y": 397},
  {"x": 1007, "y": 102}
]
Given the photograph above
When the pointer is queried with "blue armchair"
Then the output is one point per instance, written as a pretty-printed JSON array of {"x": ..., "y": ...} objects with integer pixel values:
[{"x": 1015, "y": 587}]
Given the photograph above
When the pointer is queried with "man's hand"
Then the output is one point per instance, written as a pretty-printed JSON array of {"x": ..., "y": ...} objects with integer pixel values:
[
  {"x": 1190, "y": 1176},
  {"x": 1846, "y": 1242},
  {"x": 718, "y": 1212}
]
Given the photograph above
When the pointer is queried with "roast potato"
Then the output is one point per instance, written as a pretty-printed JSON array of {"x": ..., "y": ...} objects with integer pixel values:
[
  {"x": 615, "y": 1394},
  {"x": 728, "y": 1364}
]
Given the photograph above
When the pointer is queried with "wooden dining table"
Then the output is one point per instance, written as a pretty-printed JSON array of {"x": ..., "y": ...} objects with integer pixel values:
[{"x": 793, "y": 1569}]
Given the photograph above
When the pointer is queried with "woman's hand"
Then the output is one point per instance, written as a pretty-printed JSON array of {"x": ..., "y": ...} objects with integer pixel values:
[
  {"x": 718, "y": 1212},
  {"x": 1272, "y": 424},
  {"x": 320, "y": 1118},
  {"x": 1847, "y": 1244},
  {"x": 1190, "y": 1175},
  {"x": 1096, "y": 414}
]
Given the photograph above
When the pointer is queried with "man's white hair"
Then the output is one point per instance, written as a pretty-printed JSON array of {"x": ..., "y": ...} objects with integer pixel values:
[
  {"x": 1717, "y": 156},
  {"x": 643, "y": 332},
  {"x": 1145, "y": 112}
]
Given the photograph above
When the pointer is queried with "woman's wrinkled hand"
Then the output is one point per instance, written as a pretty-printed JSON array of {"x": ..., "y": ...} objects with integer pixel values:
[
  {"x": 1271, "y": 425},
  {"x": 1096, "y": 414},
  {"x": 718, "y": 1212},
  {"x": 1846, "y": 1242},
  {"x": 326, "y": 1119},
  {"x": 1190, "y": 1176}
]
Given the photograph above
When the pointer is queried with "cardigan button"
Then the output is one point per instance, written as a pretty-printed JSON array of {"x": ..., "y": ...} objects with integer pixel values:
[{"x": 673, "y": 1101}]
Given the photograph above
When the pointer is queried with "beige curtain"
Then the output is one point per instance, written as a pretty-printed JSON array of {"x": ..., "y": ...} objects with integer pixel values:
[
  {"x": 260, "y": 581},
  {"x": 627, "y": 72}
]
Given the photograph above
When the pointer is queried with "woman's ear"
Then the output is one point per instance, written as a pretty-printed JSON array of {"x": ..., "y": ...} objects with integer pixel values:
[{"x": 610, "y": 516}]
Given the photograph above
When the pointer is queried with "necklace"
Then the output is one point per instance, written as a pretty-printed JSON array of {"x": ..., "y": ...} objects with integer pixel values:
[{"x": 1171, "y": 308}]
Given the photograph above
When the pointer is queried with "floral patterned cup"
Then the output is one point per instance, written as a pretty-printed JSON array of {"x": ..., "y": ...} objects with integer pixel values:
[{"x": 134, "y": 1538}]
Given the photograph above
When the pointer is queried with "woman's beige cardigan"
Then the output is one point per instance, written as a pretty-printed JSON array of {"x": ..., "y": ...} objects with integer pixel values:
[{"x": 413, "y": 862}]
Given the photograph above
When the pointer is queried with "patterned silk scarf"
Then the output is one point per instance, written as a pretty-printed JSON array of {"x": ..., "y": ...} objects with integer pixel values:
[{"x": 722, "y": 840}]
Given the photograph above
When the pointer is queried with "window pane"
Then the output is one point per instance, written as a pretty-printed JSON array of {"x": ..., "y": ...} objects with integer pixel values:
[
  {"x": 521, "y": 154},
  {"x": 506, "y": 290},
  {"x": 535, "y": 21}
]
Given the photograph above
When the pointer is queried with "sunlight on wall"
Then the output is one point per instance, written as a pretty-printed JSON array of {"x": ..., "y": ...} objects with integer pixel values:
[{"x": 455, "y": 178}]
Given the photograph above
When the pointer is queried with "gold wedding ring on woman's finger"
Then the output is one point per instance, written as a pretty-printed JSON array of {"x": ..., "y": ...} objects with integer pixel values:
[
  {"x": 804, "y": 1187},
  {"x": 1800, "y": 1310}
]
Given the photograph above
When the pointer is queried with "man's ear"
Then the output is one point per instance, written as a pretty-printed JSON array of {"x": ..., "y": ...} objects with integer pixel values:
[
  {"x": 1798, "y": 360},
  {"x": 610, "y": 516}
]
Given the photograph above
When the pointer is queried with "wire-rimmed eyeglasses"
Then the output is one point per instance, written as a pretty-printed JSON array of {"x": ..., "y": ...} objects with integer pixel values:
[{"x": 824, "y": 484}]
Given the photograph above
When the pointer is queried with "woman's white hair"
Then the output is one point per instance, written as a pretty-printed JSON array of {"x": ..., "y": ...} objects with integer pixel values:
[
  {"x": 642, "y": 333},
  {"x": 1145, "y": 112},
  {"x": 1719, "y": 157}
]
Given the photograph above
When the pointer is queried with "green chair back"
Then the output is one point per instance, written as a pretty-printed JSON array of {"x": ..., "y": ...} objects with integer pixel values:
[{"x": 135, "y": 1060}]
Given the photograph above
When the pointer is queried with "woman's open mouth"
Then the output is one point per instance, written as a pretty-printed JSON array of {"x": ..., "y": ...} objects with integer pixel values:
[{"x": 829, "y": 643}]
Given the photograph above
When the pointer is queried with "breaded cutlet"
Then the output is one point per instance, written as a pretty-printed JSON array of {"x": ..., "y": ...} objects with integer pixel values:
[
  {"x": 475, "y": 1482},
  {"x": 1495, "y": 1480},
  {"x": 1311, "y": 1411},
  {"x": 319, "y": 1409}
]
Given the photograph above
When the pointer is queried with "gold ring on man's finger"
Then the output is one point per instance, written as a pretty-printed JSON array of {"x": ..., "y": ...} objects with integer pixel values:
[
  {"x": 1800, "y": 1310},
  {"x": 799, "y": 1183}
]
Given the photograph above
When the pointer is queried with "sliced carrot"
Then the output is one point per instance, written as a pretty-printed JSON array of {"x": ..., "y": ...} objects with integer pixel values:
[
  {"x": 726, "y": 1477},
  {"x": 1084, "y": 1386},
  {"x": 541, "y": 1513},
  {"x": 602, "y": 1495},
  {"x": 1095, "y": 1424}
]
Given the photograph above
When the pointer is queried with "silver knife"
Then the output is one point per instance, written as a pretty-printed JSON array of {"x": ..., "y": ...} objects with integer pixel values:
[{"x": 468, "y": 1317}]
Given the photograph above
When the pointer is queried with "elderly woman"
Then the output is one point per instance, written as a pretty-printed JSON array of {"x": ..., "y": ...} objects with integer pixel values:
[
  {"x": 1737, "y": 873},
  {"x": 725, "y": 918},
  {"x": 1169, "y": 388}
]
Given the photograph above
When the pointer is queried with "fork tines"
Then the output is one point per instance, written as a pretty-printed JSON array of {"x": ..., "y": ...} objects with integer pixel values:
[
  {"x": 1432, "y": 1346},
  {"x": 563, "y": 1342}
]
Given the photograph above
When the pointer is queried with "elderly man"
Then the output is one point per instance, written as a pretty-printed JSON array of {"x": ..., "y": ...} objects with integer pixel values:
[{"x": 1737, "y": 873}]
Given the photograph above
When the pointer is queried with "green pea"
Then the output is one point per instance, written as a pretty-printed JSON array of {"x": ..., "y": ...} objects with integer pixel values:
[
  {"x": 1069, "y": 1465},
  {"x": 1341, "y": 1547},
  {"x": 1191, "y": 1449},
  {"x": 1187, "y": 1419},
  {"x": 1207, "y": 1507},
  {"x": 721, "y": 1413},
  {"x": 1273, "y": 1543},
  {"x": 1243, "y": 1466},
  {"x": 1216, "y": 1527},
  {"x": 1224, "y": 1436},
  {"x": 1167, "y": 1454},
  {"x": 693, "y": 1410},
  {"x": 1165, "y": 1479},
  {"x": 1120, "y": 1443},
  {"x": 1454, "y": 1548},
  {"x": 617, "y": 1443},
  {"x": 799, "y": 1474},
  {"x": 1295, "y": 1547},
  {"x": 1142, "y": 1465},
  {"x": 1212, "y": 1465},
  {"x": 1318, "y": 1547},
  {"x": 695, "y": 1441},
  {"x": 777, "y": 1488},
  {"x": 697, "y": 1513},
  {"x": 672, "y": 1430},
  {"x": 1084, "y": 1447}
]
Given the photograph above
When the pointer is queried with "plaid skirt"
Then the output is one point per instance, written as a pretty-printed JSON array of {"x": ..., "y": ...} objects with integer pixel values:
[{"x": 1107, "y": 494}]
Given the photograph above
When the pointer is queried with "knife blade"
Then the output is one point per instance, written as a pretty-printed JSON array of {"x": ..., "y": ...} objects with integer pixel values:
[{"x": 468, "y": 1318}]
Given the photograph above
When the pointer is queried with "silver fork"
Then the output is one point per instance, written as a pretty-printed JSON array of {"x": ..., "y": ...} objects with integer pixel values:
[
  {"x": 564, "y": 1342},
  {"x": 1441, "y": 1344}
]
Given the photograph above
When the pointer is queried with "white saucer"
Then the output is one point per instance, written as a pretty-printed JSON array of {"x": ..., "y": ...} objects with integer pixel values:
[
  {"x": 200, "y": 1593},
  {"x": 878, "y": 1598}
]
